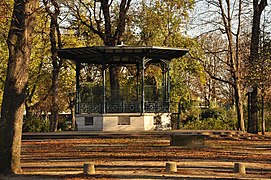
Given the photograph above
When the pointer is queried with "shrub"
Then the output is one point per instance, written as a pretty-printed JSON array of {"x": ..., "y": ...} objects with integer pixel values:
[
  {"x": 192, "y": 114},
  {"x": 64, "y": 123},
  {"x": 216, "y": 113},
  {"x": 213, "y": 119},
  {"x": 207, "y": 124},
  {"x": 35, "y": 124},
  {"x": 267, "y": 123}
]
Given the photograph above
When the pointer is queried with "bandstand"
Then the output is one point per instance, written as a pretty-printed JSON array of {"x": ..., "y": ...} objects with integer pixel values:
[{"x": 140, "y": 103}]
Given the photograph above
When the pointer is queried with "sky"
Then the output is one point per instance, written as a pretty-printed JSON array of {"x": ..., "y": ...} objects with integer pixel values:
[{"x": 206, "y": 13}]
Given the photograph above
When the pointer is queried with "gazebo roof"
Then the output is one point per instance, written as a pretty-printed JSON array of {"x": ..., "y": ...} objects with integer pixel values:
[{"x": 120, "y": 54}]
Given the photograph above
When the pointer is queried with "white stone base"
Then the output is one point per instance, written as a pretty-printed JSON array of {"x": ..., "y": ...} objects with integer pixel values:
[{"x": 118, "y": 122}]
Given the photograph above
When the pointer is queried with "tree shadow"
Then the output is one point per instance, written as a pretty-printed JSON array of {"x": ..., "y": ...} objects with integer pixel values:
[{"x": 101, "y": 176}]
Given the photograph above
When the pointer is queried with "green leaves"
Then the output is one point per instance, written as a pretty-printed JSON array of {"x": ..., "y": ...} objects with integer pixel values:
[
  {"x": 5, "y": 19},
  {"x": 161, "y": 23},
  {"x": 152, "y": 23}
]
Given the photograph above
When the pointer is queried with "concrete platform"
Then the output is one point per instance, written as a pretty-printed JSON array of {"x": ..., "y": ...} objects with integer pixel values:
[{"x": 122, "y": 121}]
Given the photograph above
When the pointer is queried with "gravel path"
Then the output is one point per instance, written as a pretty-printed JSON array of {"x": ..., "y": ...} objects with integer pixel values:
[{"x": 143, "y": 156}]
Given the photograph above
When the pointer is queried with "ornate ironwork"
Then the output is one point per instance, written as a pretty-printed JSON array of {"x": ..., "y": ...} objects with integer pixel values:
[
  {"x": 156, "y": 107},
  {"x": 123, "y": 107},
  {"x": 132, "y": 107},
  {"x": 86, "y": 108},
  {"x": 114, "y": 107}
]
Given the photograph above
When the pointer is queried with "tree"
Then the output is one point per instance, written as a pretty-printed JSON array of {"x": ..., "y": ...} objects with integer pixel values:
[
  {"x": 226, "y": 22},
  {"x": 258, "y": 7},
  {"x": 37, "y": 105},
  {"x": 107, "y": 19},
  {"x": 39, "y": 97},
  {"x": 39, "y": 74},
  {"x": 264, "y": 73},
  {"x": 56, "y": 43},
  {"x": 19, "y": 45},
  {"x": 161, "y": 23}
]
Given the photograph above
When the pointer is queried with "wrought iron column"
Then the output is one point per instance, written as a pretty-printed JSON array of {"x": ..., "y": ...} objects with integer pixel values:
[
  {"x": 168, "y": 86},
  {"x": 77, "y": 86},
  {"x": 104, "y": 90},
  {"x": 164, "y": 85},
  {"x": 137, "y": 81},
  {"x": 143, "y": 86}
]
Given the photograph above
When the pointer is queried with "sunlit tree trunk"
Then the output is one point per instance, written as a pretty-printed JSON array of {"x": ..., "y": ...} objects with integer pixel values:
[
  {"x": 239, "y": 108},
  {"x": 19, "y": 45},
  {"x": 73, "y": 124}
]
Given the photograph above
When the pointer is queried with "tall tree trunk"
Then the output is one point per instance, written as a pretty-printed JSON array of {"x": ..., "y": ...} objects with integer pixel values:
[
  {"x": 55, "y": 40},
  {"x": 234, "y": 58},
  {"x": 262, "y": 114},
  {"x": 111, "y": 35},
  {"x": 239, "y": 108},
  {"x": 73, "y": 124},
  {"x": 19, "y": 44},
  {"x": 114, "y": 82},
  {"x": 258, "y": 7},
  {"x": 55, "y": 99},
  {"x": 110, "y": 41}
]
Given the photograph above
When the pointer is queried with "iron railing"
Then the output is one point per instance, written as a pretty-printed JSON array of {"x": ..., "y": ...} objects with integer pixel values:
[{"x": 122, "y": 107}]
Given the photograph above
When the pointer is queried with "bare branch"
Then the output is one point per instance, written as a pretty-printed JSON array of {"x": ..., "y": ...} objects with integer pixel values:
[
  {"x": 211, "y": 74},
  {"x": 76, "y": 12},
  {"x": 97, "y": 20},
  {"x": 262, "y": 5},
  {"x": 124, "y": 7},
  {"x": 107, "y": 20}
]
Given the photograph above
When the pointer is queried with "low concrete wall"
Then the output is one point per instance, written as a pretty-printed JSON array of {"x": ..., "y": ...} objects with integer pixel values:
[
  {"x": 116, "y": 122},
  {"x": 111, "y": 122},
  {"x": 97, "y": 123},
  {"x": 148, "y": 121}
]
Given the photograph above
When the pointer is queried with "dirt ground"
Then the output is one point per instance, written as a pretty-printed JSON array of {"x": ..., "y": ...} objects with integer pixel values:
[{"x": 144, "y": 156}]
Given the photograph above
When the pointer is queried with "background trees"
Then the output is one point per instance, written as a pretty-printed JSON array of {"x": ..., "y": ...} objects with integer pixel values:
[
  {"x": 224, "y": 62},
  {"x": 221, "y": 51},
  {"x": 162, "y": 23},
  {"x": 231, "y": 23},
  {"x": 216, "y": 76}
]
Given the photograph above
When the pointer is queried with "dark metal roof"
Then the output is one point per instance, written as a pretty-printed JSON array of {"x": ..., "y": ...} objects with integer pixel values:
[{"x": 120, "y": 54}]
